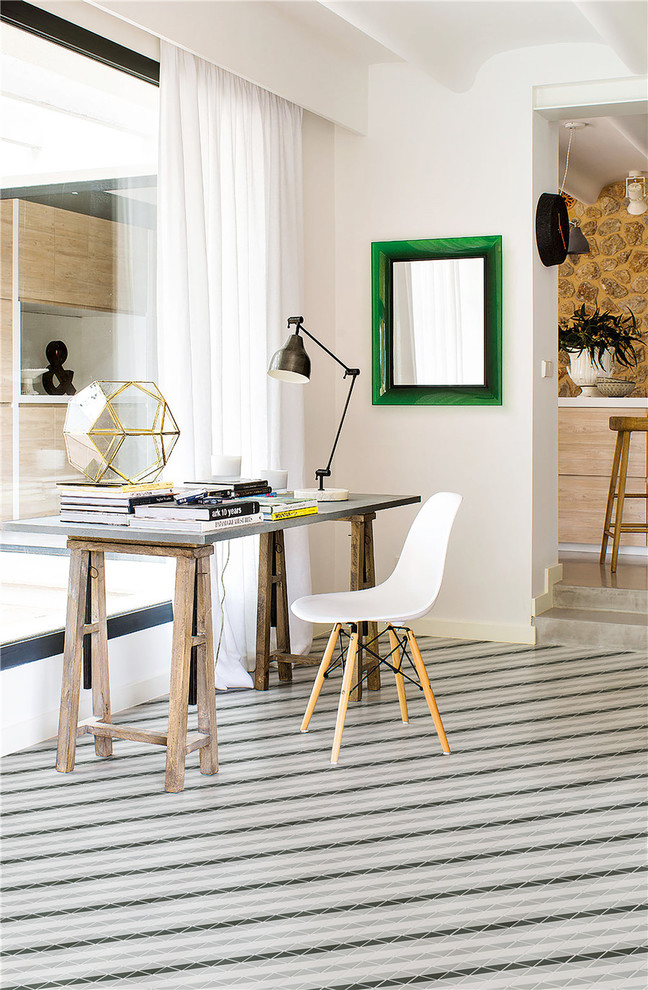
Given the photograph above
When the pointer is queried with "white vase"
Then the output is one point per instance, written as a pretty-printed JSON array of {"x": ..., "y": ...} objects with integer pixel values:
[{"x": 584, "y": 373}]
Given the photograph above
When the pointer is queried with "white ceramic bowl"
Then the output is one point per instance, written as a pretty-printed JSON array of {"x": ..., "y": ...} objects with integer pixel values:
[{"x": 614, "y": 388}]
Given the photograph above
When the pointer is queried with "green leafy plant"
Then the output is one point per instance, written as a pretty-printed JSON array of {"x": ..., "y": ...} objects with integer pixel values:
[{"x": 598, "y": 332}]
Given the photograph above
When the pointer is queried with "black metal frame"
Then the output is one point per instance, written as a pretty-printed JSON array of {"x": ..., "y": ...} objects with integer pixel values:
[
  {"x": 402, "y": 644},
  {"x": 80, "y": 40}
]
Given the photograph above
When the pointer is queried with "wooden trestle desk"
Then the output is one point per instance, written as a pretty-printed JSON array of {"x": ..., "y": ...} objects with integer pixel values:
[{"x": 192, "y": 622}]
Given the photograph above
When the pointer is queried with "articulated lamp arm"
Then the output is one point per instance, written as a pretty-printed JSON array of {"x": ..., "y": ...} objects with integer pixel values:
[{"x": 351, "y": 373}]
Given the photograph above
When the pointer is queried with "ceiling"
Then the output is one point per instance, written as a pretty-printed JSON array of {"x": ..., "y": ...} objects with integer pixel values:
[
  {"x": 604, "y": 151},
  {"x": 450, "y": 40}
]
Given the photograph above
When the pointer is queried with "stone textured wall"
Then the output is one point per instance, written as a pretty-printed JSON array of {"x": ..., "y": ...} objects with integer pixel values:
[{"x": 613, "y": 276}]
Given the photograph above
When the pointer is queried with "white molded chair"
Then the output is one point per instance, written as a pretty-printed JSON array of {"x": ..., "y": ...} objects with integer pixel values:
[{"x": 407, "y": 594}]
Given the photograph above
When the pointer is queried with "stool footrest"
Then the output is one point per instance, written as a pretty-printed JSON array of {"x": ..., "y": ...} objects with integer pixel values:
[
  {"x": 96, "y": 727},
  {"x": 294, "y": 658},
  {"x": 627, "y": 528}
]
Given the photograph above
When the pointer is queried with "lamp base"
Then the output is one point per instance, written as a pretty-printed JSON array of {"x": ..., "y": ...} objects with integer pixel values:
[{"x": 327, "y": 495}]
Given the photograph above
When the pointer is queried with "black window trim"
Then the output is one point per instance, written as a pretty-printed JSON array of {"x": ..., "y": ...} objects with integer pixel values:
[
  {"x": 77, "y": 39},
  {"x": 51, "y": 644}
]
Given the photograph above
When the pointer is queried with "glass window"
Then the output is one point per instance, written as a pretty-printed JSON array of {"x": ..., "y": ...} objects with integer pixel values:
[{"x": 78, "y": 210}]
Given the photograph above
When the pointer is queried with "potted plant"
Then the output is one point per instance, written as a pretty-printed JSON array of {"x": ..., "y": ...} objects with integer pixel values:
[{"x": 596, "y": 340}]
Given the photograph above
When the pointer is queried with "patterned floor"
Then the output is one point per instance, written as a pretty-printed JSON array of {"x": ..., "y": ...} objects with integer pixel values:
[{"x": 516, "y": 862}]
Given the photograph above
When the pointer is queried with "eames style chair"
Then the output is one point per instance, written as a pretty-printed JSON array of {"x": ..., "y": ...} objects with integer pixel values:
[{"x": 407, "y": 594}]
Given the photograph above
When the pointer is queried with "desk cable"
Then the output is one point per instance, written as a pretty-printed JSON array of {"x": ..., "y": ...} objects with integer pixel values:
[{"x": 222, "y": 601}]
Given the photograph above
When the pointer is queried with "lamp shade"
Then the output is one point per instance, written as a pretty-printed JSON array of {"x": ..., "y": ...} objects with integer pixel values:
[
  {"x": 578, "y": 243},
  {"x": 291, "y": 363}
]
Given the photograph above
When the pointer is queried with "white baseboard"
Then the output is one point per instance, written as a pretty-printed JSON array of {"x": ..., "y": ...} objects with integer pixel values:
[
  {"x": 492, "y": 632},
  {"x": 449, "y": 629},
  {"x": 543, "y": 602}
]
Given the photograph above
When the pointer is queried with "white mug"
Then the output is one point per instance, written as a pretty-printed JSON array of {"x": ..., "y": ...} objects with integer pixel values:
[
  {"x": 278, "y": 480},
  {"x": 225, "y": 467}
]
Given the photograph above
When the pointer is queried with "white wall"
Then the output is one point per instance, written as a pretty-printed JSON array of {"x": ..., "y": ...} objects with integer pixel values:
[
  {"x": 139, "y": 671},
  {"x": 260, "y": 42},
  {"x": 545, "y": 390},
  {"x": 435, "y": 164},
  {"x": 318, "y": 143}
]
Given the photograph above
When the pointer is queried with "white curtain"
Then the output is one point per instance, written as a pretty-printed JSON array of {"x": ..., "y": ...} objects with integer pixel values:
[{"x": 229, "y": 275}]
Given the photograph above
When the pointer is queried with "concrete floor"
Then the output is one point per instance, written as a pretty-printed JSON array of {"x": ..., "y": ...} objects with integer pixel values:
[{"x": 583, "y": 569}]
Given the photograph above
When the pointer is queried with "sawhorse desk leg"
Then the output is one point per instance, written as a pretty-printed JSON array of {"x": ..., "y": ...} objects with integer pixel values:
[
  {"x": 363, "y": 575},
  {"x": 193, "y": 584},
  {"x": 272, "y": 608},
  {"x": 87, "y": 589}
]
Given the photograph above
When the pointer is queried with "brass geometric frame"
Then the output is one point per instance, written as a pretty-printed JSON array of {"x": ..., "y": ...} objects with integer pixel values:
[{"x": 105, "y": 446}]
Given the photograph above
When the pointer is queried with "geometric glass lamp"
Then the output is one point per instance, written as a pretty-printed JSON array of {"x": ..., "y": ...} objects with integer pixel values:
[{"x": 119, "y": 431}]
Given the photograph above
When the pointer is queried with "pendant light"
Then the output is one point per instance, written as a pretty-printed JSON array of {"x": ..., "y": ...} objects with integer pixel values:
[{"x": 577, "y": 243}]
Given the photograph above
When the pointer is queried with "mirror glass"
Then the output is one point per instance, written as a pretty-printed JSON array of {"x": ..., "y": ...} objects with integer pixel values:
[{"x": 439, "y": 322}]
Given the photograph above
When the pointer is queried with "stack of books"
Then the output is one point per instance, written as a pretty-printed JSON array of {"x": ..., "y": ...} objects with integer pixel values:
[
  {"x": 192, "y": 508},
  {"x": 286, "y": 507},
  {"x": 198, "y": 511},
  {"x": 243, "y": 488},
  {"x": 109, "y": 504}
]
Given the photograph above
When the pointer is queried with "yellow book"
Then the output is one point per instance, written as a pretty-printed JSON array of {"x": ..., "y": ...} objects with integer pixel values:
[
  {"x": 109, "y": 488},
  {"x": 291, "y": 513}
]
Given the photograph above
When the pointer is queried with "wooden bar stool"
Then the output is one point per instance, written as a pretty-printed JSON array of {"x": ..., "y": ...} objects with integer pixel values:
[
  {"x": 624, "y": 426},
  {"x": 192, "y": 584}
]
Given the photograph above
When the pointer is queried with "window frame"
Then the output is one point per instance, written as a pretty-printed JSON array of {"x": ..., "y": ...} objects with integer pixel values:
[
  {"x": 80, "y": 40},
  {"x": 77, "y": 39}
]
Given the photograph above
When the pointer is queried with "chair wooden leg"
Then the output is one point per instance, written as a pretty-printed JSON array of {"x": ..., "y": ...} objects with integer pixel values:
[
  {"x": 99, "y": 651},
  {"x": 180, "y": 664},
  {"x": 206, "y": 690},
  {"x": 319, "y": 680},
  {"x": 610, "y": 498},
  {"x": 623, "y": 471},
  {"x": 356, "y": 581},
  {"x": 347, "y": 687},
  {"x": 427, "y": 690},
  {"x": 397, "y": 660},
  {"x": 72, "y": 661}
]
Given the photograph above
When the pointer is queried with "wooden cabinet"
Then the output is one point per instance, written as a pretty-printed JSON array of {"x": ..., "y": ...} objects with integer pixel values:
[
  {"x": 87, "y": 268},
  {"x": 69, "y": 259},
  {"x": 585, "y": 451}
]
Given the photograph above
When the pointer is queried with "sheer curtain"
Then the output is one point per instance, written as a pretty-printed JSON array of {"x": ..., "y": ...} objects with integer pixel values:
[
  {"x": 438, "y": 322},
  {"x": 229, "y": 275}
]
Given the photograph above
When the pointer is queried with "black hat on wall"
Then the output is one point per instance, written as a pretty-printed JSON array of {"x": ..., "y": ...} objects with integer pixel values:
[{"x": 552, "y": 229}]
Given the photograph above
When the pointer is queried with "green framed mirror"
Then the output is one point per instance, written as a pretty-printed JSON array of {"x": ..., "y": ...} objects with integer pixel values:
[{"x": 437, "y": 321}]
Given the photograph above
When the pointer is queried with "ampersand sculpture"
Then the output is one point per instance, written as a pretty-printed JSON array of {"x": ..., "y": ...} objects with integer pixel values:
[{"x": 56, "y": 353}]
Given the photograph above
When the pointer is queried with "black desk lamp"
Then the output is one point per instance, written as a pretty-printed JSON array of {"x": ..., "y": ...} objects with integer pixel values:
[{"x": 291, "y": 363}]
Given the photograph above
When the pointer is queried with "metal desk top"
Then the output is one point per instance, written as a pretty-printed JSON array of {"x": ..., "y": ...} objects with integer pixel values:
[{"x": 356, "y": 504}]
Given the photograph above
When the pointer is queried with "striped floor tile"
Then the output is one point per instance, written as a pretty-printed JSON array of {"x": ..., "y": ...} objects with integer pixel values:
[{"x": 516, "y": 862}]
